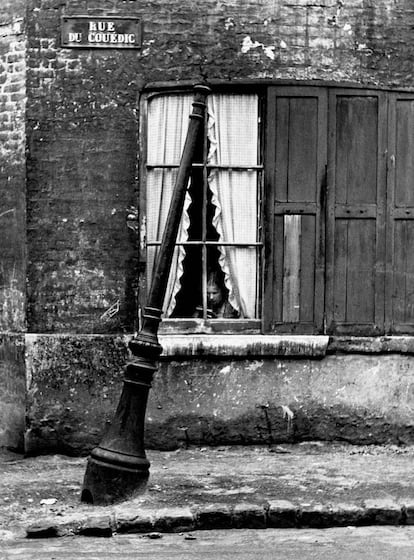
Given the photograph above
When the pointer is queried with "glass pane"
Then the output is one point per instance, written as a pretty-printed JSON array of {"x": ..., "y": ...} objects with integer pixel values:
[
  {"x": 239, "y": 266},
  {"x": 168, "y": 118},
  {"x": 234, "y": 198},
  {"x": 160, "y": 186},
  {"x": 189, "y": 298},
  {"x": 233, "y": 129}
]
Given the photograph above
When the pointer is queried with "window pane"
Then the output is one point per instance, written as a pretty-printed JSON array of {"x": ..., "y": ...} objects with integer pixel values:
[
  {"x": 233, "y": 129},
  {"x": 234, "y": 197},
  {"x": 239, "y": 266},
  {"x": 160, "y": 185},
  {"x": 221, "y": 205},
  {"x": 167, "y": 128},
  {"x": 189, "y": 301}
]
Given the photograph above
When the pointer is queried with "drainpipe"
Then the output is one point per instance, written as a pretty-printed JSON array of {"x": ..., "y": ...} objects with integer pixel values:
[{"x": 118, "y": 468}]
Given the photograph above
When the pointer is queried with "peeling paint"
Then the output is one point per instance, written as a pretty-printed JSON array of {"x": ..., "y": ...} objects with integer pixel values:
[
  {"x": 248, "y": 45},
  {"x": 289, "y": 415}
]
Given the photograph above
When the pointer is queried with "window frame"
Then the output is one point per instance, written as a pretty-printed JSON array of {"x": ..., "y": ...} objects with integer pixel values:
[
  {"x": 383, "y": 298},
  {"x": 188, "y": 324}
]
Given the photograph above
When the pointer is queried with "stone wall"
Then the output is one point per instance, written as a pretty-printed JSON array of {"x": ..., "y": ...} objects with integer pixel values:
[
  {"x": 12, "y": 391},
  {"x": 248, "y": 396}
]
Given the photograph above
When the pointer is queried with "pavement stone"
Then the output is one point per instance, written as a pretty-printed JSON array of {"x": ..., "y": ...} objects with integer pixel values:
[
  {"x": 134, "y": 522},
  {"x": 173, "y": 520},
  {"x": 213, "y": 516},
  {"x": 304, "y": 486},
  {"x": 384, "y": 512},
  {"x": 97, "y": 526},
  {"x": 249, "y": 516},
  {"x": 282, "y": 514},
  {"x": 345, "y": 515},
  {"x": 408, "y": 512}
]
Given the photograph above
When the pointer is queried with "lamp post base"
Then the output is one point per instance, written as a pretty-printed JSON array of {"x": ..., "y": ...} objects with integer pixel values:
[{"x": 105, "y": 483}]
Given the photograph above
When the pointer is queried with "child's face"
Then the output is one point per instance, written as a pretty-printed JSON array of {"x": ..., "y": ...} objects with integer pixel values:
[{"x": 214, "y": 295}]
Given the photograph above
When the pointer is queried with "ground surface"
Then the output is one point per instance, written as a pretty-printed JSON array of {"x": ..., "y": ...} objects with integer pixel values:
[
  {"x": 363, "y": 543},
  {"x": 313, "y": 473}
]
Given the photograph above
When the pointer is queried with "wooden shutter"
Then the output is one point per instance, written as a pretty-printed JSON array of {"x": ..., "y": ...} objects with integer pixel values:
[
  {"x": 356, "y": 212},
  {"x": 400, "y": 216},
  {"x": 294, "y": 226}
]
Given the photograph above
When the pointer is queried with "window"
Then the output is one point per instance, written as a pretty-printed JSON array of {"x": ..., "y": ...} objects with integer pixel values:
[
  {"x": 324, "y": 246},
  {"x": 215, "y": 271}
]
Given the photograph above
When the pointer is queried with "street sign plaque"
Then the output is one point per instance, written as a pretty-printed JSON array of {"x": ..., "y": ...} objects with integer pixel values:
[{"x": 101, "y": 32}]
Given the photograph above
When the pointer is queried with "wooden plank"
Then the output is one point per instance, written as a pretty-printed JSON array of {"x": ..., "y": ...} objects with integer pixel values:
[
  {"x": 348, "y": 211},
  {"x": 356, "y": 149},
  {"x": 389, "y": 216},
  {"x": 381, "y": 239},
  {"x": 361, "y": 257},
  {"x": 409, "y": 298},
  {"x": 291, "y": 269},
  {"x": 404, "y": 154},
  {"x": 281, "y": 148},
  {"x": 399, "y": 272},
  {"x": 278, "y": 265},
  {"x": 269, "y": 306},
  {"x": 303, "y": 146},
  {"x": 340, "y": 271},
  {"x": 409, "y": 273},
  {"x": 403, "y": 280},
  {"x": 307, "y": 270}
]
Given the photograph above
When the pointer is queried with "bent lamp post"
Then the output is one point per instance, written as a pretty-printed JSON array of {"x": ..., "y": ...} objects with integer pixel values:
[{"x": 118, "y": 468}]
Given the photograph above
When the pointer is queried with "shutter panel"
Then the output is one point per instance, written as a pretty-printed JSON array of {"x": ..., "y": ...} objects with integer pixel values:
[
  {"x": 356, "y": 212},
  {"x": 295, "y": 181},
  {"x": 400, "y": 213}
]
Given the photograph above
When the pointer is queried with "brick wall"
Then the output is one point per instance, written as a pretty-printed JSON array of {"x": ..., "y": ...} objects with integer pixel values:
[
  {"x": 12, "y": 175},
  {"x": 82, "y": 122},
  {"x": 12, "y": 223},
  {"x": 82, "y": 169},
  {"x": 11, "y": 9}
]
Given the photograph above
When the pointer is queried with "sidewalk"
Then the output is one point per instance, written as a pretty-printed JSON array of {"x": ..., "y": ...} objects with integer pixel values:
[{"x": 302, "y": 485}]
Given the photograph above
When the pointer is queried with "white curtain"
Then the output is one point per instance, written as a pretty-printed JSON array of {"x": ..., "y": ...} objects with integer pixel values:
[
  {"x": 168, "y": 119},
  {"x": 233, "y": 136}
]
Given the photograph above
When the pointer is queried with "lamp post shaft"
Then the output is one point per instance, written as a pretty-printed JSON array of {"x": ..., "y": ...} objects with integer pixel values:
[{"x": 118, "y": 468}]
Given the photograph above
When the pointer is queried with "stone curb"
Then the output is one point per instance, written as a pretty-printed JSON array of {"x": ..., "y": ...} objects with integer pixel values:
[{"x": 271, "y": 514}]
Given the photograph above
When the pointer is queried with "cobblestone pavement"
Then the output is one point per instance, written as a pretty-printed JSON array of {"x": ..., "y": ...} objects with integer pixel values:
[{"x": 304, "y": 485}]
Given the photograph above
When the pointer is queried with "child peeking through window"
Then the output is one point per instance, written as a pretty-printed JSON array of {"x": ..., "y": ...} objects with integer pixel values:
[{"x": 218, "y": 305}]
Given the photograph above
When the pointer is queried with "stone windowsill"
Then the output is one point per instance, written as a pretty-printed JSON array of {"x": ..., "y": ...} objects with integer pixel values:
[
  {"x": 295, "y": 346},
  {"x": 228, "y": 345},
  {"x": 246, "y": 345}
]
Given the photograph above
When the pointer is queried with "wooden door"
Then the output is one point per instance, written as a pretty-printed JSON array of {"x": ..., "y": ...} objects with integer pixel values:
[
  {"x": 356, "y": 212},
  {"x": 294, "y": 222},
  {"x": 400, "y": 216}
]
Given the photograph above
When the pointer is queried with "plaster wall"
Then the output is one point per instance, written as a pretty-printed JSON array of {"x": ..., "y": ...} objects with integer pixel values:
[
  {"x": 75, "y": 383},
  {"x": 12, "y": 391}
]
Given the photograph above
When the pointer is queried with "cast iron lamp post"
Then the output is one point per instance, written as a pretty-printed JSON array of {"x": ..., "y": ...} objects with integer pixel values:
[{"x": 118, "y": 468}]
